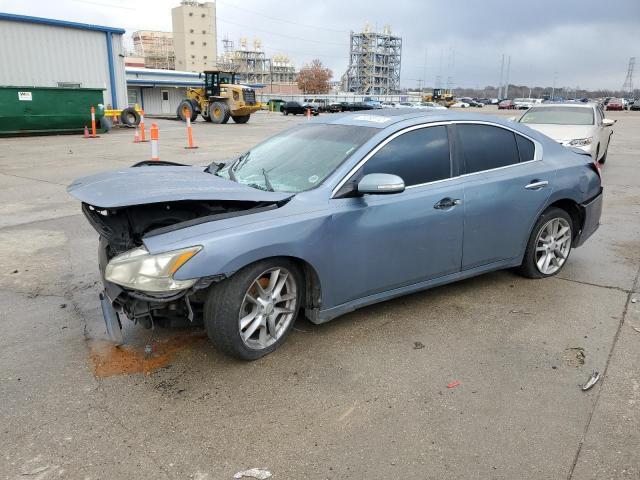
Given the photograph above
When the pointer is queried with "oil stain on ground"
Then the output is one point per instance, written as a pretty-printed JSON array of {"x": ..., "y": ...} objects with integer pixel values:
[{"x": 109, "y": 360}]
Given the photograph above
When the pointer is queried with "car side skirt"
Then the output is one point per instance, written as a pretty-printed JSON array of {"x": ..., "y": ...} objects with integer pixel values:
[{"x": 322, "y": 316}]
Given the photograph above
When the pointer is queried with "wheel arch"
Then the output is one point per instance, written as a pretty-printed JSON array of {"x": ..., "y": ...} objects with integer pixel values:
[
  {"x": 311, "y": 278},
  {"x": 575, "y": 212}
]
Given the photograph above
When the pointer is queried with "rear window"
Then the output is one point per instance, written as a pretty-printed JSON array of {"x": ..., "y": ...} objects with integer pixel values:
[
  {"x": 486, "y": 147},
  {"x": 559, "y": 116}
]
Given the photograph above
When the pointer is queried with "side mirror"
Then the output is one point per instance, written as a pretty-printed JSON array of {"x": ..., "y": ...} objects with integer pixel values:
[
  {"x": 607, "y": 122},
  {"x": 512, "y": 119},
  {"x": 380, "y": 183}
]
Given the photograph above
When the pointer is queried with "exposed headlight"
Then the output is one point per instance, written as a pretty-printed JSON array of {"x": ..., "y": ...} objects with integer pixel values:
[
  {"x": 139, "y": 270},
  {"x": 581, "y": 142}
]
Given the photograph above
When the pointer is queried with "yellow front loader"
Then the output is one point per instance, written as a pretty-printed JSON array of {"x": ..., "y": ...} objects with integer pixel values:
[{"x": 220, "y": 99}]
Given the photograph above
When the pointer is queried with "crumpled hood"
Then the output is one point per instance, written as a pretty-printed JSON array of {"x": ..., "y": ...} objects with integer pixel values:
[
  {"x": 154, "y": 184},
  {"x": 563, "y": 132}
]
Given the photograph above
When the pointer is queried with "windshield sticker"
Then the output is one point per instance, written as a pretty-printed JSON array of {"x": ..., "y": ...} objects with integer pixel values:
[
  {"x": 372, "y": 118},
  {"x": 313, "y": 178}
]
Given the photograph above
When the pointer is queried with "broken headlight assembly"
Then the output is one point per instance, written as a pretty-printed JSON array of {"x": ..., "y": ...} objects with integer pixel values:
[{"x": 138, "y": 269}]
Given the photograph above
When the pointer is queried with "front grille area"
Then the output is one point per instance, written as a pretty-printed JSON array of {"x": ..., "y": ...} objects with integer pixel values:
[{"x": 249, "y": 96}]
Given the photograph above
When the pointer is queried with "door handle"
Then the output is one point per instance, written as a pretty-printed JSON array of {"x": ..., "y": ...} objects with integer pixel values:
[
  {"x": 447, "y": 203},
  {"x": 537, "y": 185}
]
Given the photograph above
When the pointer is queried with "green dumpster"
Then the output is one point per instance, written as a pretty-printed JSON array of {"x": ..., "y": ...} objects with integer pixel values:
[
  {"x": 275, "y": 104},
  {"x": 42, "y": 110}
]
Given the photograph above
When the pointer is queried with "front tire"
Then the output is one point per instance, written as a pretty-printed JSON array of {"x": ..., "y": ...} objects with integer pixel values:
[
  {"x": 219, "y": 112},
  {"x": 191, "y": 110},
  {"x": 549, "y": 245},
  {"x": 250, "y": 314}
]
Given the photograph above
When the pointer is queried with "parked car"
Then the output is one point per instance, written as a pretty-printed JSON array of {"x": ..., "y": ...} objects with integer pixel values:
[
  {"x": 460, "y": 104},
  {"x": 433, "y": 106},
  {"x": 319, "y": 103},
  {"x": 580, "y": 125},
  {"x": 295, "y": 108},
  {"x": 635, "y": 105},
  {"x": 334, "y": 107},
  {"x": 523, "y": 103},
  {"x": 506, "y": 105},
  {"x": 371, "y": 102},
  {"x": 356, "y": 106},
  {"x": 615, "y": 104},
  {"x": 331, "y": 216},
  {"x": 472, "y": 102}
]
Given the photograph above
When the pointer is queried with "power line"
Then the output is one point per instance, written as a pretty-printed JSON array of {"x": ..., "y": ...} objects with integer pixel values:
[
  {"x": 282, "y": 34},
  {"x": 281, "y": 19},
  {"x": 108, "y": 5}
]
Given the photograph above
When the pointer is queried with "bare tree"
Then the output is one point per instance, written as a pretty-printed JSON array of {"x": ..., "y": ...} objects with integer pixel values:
[{"x": 314, "y": 78}]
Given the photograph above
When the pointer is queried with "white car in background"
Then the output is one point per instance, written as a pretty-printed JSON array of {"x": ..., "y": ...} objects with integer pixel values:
[
  {"x": 433, "y": 106},
  {"x": 523, "y": 103},
  {"x": 581, "y": 125},
  {"x": 461, "y": 105}
]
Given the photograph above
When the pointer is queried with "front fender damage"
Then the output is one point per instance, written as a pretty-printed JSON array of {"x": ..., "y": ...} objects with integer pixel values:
[{"x": 124, "y": 228}]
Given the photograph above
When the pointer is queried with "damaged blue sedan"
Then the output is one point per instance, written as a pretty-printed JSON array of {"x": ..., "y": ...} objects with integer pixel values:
[{"x": 330, "y": 216}]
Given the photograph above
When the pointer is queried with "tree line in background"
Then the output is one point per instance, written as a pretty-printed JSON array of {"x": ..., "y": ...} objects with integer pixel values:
[
  {"x": 315, "y": 78},
  {"x": 524, "y": 91}
]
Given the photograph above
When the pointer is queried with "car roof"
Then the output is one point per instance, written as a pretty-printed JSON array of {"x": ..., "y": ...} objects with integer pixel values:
[{"x": 386, "y": 117}]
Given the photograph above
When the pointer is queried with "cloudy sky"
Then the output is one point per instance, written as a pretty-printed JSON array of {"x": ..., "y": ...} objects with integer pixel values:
[{"x": 585, "y": 43}]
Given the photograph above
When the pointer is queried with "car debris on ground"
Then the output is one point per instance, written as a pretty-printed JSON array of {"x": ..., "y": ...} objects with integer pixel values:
[
  {"x": 259, "y": 473},
  {"x": 595, "y": 376}
]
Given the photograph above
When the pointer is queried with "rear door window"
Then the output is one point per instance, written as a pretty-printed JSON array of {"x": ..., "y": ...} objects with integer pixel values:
[
  {"x": 526, "y": 148},
  {"x": 419, "y": 156},
  {"x": 485, "y": 147}
]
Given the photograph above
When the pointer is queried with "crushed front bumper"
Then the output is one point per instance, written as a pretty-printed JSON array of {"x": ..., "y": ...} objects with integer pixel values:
[{"x": 111, "y": 320}]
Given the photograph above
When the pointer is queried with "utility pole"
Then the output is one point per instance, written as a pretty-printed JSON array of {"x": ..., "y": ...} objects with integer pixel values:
[
  {"x": 553, "y": 90},
  {"x": 424, "y": 69},
  {"x": 506, "y": 88},
  {"x": 500, "y": 82}
]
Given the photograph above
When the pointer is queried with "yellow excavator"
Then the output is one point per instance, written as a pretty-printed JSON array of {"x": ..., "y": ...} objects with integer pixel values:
[
  {"x": 220, "y": 99},
  {"x": 441, "y": 96}
]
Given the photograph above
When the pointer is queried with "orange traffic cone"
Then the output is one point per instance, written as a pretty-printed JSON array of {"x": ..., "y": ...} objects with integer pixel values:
[
  {"x": 154, "y": 142},
  {"x": 86, "y": 132},
  {"x": 136, "y": 136}
]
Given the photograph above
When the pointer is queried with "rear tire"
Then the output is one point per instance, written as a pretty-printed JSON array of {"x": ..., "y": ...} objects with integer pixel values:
[
  {"x": 541, "y": 244},
  {"x": 219, "y": 112},
  {"x": 240, "y": 118},
  {"x": 245, "y": 317}
]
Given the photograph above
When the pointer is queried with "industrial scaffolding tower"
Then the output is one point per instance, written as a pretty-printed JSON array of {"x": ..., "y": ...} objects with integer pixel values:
[{"x": 374, "y": 62}]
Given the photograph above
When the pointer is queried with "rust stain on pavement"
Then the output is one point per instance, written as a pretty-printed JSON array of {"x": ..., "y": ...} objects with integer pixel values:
[{"x": 109, "y": 360}]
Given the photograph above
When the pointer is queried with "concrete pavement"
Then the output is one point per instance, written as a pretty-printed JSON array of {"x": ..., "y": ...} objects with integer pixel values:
[{"x": 357, "y": 398}]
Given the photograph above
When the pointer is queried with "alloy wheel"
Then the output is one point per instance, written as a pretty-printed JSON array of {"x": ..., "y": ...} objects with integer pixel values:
[
  {"x": 553, "y": 245},
  {"x": 268, "y": 308}
]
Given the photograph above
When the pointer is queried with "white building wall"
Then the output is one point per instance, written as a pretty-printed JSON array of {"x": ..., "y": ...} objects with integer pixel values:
[
  {"x": 44, "y": 55},
  {"x": 151, "y": 99}
]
